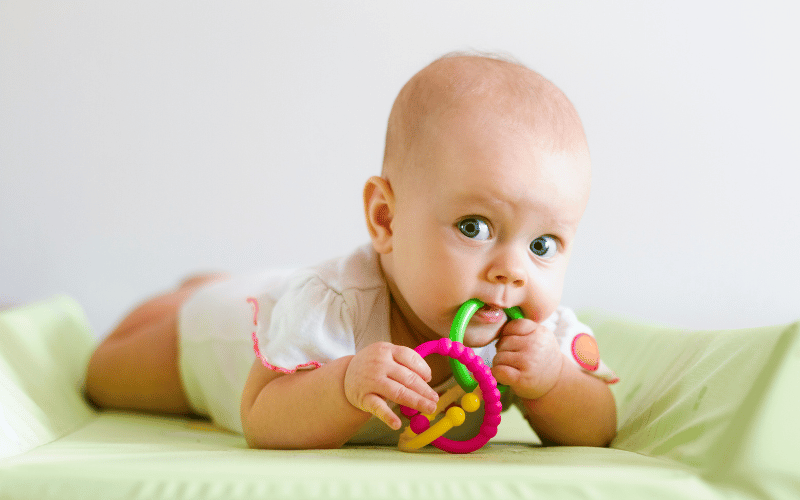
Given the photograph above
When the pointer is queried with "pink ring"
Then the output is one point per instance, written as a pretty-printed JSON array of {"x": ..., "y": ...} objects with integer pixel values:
[{"x": 487, "y": 383}]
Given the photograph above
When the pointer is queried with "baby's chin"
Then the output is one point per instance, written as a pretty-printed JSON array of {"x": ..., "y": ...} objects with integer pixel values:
[
  {"x": 478, "y": 345},
  {"x": 480, "y": 337}
]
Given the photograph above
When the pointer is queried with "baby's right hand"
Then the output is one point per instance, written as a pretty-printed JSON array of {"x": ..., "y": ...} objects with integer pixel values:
[{"x": 384, "y": 371}]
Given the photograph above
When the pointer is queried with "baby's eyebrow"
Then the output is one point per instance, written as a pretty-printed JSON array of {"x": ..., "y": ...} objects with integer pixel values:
[
  {"x": 498, "y": 204},
  {"x": 472, "y": 198}
]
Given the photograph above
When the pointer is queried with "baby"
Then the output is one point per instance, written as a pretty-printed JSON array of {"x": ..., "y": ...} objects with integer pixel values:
[{"x": 485, "y": 178}]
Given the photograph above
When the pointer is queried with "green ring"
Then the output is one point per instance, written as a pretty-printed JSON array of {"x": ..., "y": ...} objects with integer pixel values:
[{"x": 460, "y": 322}]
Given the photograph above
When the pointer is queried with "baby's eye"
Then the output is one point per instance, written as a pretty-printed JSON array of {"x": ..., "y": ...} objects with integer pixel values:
[
  {"x": 476, "y": 229},
  {"x": 545, "y": 247}
]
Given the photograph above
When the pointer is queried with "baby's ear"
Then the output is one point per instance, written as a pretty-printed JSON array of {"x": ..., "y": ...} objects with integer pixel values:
[{"x": 379, "y": 210}]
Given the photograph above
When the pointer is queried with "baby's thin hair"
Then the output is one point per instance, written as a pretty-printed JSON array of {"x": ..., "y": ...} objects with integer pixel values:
[
  {"x": 554, "y": 113},
  {"x": 496, "y": 55}
]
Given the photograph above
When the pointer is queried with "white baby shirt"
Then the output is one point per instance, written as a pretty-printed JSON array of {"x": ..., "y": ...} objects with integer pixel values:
[{"x": 303, "y": 319}]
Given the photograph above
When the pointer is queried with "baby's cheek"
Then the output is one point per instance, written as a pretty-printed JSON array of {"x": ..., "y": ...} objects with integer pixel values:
[
  {"x": 546, "y": 294},
  {"x": 545, "y": 306},
  {"x": 538, "y": 310}
]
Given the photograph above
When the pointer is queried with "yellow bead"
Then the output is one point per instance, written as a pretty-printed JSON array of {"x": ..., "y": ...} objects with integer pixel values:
[
  {"x": 456, "y": 415},
  {"x": 470, "y": 402}
]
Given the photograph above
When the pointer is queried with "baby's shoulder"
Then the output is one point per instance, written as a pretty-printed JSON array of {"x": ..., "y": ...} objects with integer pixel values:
[
  {"x": 345, "y": 294},
  {"x": 356, "y": 271}
]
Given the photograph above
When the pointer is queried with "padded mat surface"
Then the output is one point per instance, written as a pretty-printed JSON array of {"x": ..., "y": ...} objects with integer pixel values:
[{"x": 138, "y": 456}]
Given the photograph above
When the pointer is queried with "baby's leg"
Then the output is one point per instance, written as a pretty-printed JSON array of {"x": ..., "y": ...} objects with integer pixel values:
[{"x": 136, "y": 366}]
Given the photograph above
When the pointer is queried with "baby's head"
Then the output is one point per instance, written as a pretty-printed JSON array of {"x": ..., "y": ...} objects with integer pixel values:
[{"x": 485, "y": 178}]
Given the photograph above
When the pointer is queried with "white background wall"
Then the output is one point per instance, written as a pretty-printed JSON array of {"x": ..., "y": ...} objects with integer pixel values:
[{"x": 142, "y": 141}]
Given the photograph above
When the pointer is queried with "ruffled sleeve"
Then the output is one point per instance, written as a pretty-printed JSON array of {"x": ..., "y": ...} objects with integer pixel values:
[
  {"x": 577, "y": 341},
  {"x": 308, "y": 326}
]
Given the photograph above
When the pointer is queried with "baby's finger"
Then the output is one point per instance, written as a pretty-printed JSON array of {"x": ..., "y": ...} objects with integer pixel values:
[
  {"x": 400, "y": 394},
  {"x": 377, "y": 406},
  {"x": 412, "y": 360},
  {"x": 505, "y": 374},
  {"x": 412, "y": 381},
  {"x": 520, "y": 326},
  {"x": 512, "y": 343},
  {"x": 506, "y": 357}
]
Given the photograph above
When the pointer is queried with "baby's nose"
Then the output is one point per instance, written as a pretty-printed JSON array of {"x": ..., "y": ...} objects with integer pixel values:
[
  {"x": 514, "y": 280},
  {"x": 508, "y": 275}
]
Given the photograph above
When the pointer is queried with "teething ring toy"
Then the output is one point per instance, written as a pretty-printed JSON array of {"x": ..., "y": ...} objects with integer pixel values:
[
  {"x": 420, "y": 424},
  {"x": 460, "y": 322}
]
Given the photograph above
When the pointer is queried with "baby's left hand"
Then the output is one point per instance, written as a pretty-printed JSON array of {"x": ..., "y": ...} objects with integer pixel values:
[{"x": 528, "y": 359}]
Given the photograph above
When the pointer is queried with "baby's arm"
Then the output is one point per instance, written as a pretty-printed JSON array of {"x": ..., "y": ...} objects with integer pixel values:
[
  {"x": 563, "y": 404},
  {"x": 578, "y": 411},
  {"x": 323, "y": 408}
]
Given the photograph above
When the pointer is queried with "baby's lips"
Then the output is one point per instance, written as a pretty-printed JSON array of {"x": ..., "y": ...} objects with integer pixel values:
[
  {"x": 490, "y": 313},
  {"x": 488, "y": 305}
]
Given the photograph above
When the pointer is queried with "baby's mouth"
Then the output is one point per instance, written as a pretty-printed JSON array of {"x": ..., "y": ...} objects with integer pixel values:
[{"x": 490, "y": 313}]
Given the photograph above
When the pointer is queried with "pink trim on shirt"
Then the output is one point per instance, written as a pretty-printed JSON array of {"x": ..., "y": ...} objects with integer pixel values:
[{"x": 267, "y": 364}]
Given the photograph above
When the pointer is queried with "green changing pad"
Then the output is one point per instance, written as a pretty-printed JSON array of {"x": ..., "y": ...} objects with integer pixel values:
[{"x": 702, "y": 415}]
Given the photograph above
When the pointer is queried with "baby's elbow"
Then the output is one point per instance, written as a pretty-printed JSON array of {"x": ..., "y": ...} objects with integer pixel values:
[
  {"x": 256, "y": 431},
  {"x": 604, "y": 434},
  {"x": 253, "y": 439},
  {"x": 595, "y": 441},
  {"x": 259, "y": 442},
  {"x": 262, "y": 437},
  {"x": 253, "y": 443},
  {"x": 600, "y": 434},
  {"x": 603, "y": 439}
]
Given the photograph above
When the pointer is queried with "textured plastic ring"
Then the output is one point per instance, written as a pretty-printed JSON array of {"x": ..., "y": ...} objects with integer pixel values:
[
  {"x": 485, "y": 380},
  {"x": 460, "y": 322}
]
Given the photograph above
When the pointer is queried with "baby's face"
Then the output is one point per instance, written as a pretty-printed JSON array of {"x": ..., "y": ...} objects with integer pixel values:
[{"x": 490, "y": 216}]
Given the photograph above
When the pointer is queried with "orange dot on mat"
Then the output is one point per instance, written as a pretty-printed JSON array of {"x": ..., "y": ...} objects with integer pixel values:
[{"x": 586, "y": 352}]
